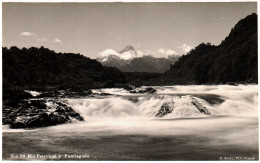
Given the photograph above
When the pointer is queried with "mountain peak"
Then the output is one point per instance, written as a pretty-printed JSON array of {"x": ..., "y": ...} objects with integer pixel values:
[{"x": 127, "y": 48}]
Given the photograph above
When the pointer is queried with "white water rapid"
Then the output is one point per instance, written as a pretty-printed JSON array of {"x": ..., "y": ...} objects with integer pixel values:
[{"x": 175, "y": 123}]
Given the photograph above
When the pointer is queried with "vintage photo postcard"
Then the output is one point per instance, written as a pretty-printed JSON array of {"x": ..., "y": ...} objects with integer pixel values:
[{"x": 129, "y": 81}]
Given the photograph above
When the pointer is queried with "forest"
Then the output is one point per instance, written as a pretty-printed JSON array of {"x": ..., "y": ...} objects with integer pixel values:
[
  {"x": 234, "y": 60},
  {"x": 36, "y": 68}
]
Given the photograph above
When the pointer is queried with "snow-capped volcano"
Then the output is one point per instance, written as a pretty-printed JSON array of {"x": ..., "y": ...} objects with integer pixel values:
[
  {"x": 128, "y": 52},
  {"x": 130, "y": 60}
]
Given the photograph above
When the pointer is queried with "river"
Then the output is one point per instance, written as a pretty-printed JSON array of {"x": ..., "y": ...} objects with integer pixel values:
[{"x": 124, "y": 126}]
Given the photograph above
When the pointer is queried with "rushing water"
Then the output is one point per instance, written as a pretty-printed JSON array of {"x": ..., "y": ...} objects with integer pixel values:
[{"x": 124, "y": 126}]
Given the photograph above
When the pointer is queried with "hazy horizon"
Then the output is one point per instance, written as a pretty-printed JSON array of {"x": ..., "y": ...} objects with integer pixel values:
[{"x": 159, "y": 29}]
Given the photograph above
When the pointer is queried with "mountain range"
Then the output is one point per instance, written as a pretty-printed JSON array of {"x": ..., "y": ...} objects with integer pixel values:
[{"x": 128, "y": 60}]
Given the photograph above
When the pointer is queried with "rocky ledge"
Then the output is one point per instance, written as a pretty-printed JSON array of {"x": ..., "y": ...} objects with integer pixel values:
[
  {"x": 18, "y": 95},
  {"x": 199, "y": 106},
  {"x": 143, "y": 90},
  {"x": 34, "y": 113},
  {"x": 166, "y": 108},
  {"x": 40, "y": 107}
]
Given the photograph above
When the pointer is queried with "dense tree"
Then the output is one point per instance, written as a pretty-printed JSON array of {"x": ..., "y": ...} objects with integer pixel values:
[
  {"x": 234, "y": 60},
  {"x": 41, "y": 68}
]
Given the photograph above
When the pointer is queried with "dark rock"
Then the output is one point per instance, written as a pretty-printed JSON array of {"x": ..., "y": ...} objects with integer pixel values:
[
  {"x": 50, "y": 93},
  {"x": 201, "y": 108},
  {"x": 133, "y": 99},
  {"x": 88, "y": 92},
  {"x": 60, "y": 109},
  {"x": 143, "y": 90},
  {"x": 133, "y": 91},
  {"x": 15, "y": 95},
  {"x": 35, "y": 113},
  {"x": 124, "y": 86},
  {"x": 232, "y": 83},
  {"x": 74, "y": 93},
  {"x": 77, "y": 116},
  {"x": 129, "y": 87},
  {"x": 41, "y": 120},
  {"x": 104, "y": 94},
  {"x": 166, "y": 108},
  {"x": 38, "y": 104},
  {"x": 149, "y": 90}
]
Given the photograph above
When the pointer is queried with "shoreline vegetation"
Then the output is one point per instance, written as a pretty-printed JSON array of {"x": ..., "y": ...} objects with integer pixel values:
[{"x": 59, "y": 75}]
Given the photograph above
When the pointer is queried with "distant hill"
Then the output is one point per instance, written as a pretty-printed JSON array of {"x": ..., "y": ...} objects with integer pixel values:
[
  {"x": 41, "y": 68},
  {"x": 127, "y": 60},
  {"x": 149, "y": 64},
  {"x": 234, "y": 60},
  {"x": 114, "y": 61}
]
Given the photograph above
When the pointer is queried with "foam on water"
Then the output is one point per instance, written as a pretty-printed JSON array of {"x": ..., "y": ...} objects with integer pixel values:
[
  {"x": 237, "y": 101},
  {"x": 33, "y": 93},
  {"x": 108, "y": 108},
  {"x": 135, "y": 113},
  {"x": 232, "y": 121}
]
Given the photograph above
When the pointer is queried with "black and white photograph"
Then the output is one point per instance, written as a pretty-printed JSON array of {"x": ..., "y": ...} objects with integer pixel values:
[{"x": 129, "y": 81}]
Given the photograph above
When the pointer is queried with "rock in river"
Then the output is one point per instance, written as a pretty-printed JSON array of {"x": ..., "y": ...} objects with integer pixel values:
[
  {"x": 143, "y": 90},
  {"x": 34, "y": 113},
  {"x": 166, "y": 108}
]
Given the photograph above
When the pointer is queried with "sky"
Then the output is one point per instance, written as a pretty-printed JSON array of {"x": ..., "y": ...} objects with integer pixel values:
[{"x": 92, "y": 29}]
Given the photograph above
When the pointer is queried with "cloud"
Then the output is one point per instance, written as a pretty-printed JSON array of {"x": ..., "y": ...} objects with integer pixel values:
[
  {"x": 165, "y": 52},
  {"x": 139, "y": 53},
  {"x": 160, "y": 53},
  {"x": 186, "y": 48},
  {"x": 27, "y": 34},
  {"x": 108, "y": 52},
  {"x": 126, "y": 55},
  {"x": 57, "y": 40}
]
